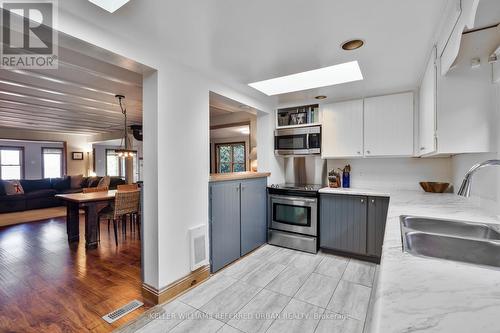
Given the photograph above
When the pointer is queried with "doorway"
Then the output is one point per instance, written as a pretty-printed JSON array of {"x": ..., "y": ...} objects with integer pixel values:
[{"x": 233, "y": 136}]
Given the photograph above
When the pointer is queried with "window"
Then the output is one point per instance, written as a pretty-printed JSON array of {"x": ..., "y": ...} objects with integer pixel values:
[
  {"x": 231, "y": 157},
  {"x": 52, "y": 162},
  {"x": 115, "y": 166},
  {"x": 11, "y": 162}
]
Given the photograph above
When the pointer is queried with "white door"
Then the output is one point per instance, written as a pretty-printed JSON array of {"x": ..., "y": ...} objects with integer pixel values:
[
  {"x": 342, "y": 130},
  {"x": 389, "y": 125},
  {"x": 427, "y": 109}
]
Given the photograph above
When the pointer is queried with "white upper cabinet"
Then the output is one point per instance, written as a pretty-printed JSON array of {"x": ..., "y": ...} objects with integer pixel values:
[
  {"x": 388, "y": 123},
  {"x": 342, "y": 130},
  {"x": 457, "y": 111},
  {"x": 427, "y": 109}
]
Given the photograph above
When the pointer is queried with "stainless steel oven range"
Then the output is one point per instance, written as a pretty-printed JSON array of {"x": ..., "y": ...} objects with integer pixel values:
[{"x": 293, "y": 216}]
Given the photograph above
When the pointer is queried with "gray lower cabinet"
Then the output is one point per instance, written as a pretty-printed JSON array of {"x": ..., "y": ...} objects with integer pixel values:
[
  {"x": 377, "y": 216},
  {"x": 253, "y": 214},
  {"x": 237, "y": 219},
  {"x": 353, "y": 224},
  {"x": 224, "y": 223},
  {"x": 343, "y": 223}
]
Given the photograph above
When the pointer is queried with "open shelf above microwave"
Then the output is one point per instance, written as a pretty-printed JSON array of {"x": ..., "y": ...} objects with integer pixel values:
[{"x": 298, "y": 116}]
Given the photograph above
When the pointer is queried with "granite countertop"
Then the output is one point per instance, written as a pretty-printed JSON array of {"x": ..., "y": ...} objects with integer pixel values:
[
  {"x": 219, "y": 177},
  {"x": 355, "y": 191},
  {"x": 417, "y": 294}
]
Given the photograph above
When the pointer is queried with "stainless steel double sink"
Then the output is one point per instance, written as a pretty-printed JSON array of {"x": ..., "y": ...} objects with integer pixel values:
[{"x": 470, "y": 242}]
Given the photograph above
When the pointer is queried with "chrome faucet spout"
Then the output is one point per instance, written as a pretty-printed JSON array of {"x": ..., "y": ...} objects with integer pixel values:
[{"x": 467, "y": 182}]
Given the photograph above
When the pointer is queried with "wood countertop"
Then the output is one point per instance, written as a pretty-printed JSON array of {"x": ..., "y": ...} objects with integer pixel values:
[{"x": 219, "y": 177}]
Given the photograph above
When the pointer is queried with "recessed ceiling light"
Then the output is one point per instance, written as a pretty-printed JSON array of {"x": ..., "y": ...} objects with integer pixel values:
[
  {"x": 320, "y": 97},
  {"x": 352, "y": 44},
  {"x": 109, "y": 5},
  {"x": 322, "y": 77}
]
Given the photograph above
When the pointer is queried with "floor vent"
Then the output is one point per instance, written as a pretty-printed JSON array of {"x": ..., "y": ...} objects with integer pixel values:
[{"x": 118, "y": 313}]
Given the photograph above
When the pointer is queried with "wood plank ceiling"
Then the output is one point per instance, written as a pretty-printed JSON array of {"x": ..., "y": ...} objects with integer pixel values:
[{"x": 78, "y": 97}]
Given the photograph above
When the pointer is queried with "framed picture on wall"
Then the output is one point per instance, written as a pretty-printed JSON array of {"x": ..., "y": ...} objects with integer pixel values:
[{"x": 77, "y": 155}]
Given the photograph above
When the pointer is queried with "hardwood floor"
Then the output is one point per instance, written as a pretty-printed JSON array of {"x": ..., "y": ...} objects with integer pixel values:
[{"x": 48, "y": 285}]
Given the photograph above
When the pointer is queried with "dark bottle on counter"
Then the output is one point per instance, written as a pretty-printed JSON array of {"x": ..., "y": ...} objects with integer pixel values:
[
  {"x": 346, "y": 176},
  {"x": 346, "y": 179}
]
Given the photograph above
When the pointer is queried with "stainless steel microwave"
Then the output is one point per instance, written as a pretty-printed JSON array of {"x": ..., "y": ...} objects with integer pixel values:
[{"x": 298, "y": 141}]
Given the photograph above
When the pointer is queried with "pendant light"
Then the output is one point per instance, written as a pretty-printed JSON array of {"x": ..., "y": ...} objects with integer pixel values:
[{"x": 124, "y": 152}]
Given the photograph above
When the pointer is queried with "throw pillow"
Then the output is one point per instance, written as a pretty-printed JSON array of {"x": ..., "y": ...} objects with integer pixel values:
[
  {"x": 93, "y": 181},
  {"x": 104, "y": 182},
  {"x": 76, "y": 181},
  {"x": 13, "y": 187},
  {"x": 61, "y": 184},
  {"x": 85, "y": 182}
]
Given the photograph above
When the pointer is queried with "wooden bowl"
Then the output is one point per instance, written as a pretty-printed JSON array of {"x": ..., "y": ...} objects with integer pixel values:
[{"x": 434, "y": 187}]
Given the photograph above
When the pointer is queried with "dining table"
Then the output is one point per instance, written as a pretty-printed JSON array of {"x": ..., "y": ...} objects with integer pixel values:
[{"x": 91, "y": 203}]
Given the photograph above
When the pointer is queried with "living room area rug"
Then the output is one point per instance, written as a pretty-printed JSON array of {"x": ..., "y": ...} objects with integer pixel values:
[{"x": 31, "y": 215}]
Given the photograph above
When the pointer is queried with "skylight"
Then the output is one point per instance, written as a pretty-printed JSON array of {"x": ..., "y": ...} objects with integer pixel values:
[
  {"x": 109, "y": 5},
  {"x": 322, "y": 77}
]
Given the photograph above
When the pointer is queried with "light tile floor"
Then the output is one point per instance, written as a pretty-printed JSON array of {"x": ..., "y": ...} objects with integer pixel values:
[{"x": 271, "y": 290}]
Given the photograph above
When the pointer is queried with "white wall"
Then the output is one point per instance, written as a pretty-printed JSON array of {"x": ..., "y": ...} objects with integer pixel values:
[
  {"x": 176, "y": 135},
  {"x": 32, "y": 155},
  {"x": 74, "y": 143},
  {"x": 395, "y": 173},
  {"x": 265, "y": 150},
  {"x": 486, "y": 182}
]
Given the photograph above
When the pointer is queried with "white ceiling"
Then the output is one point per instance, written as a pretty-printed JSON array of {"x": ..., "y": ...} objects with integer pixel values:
[
  {"x": 221, "y": 105},
  {"x": 78, "y": 97},
  {"x": 248, "y": 41},
  {"x": 114, "y": 142},
  {"x": 230, "y": 132},
  {"x": 236, "y": 41}
]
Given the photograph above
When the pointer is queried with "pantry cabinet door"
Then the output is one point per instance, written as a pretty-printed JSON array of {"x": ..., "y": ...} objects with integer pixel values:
[
  {"x": 427, "y": 109},
  {"x": 342, "y": 129},
  {"x": 388, "y": 124}
]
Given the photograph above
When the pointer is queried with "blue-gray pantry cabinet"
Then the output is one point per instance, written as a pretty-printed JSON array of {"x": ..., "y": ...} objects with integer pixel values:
[
  {"x": 353, "y": 224},
  {"x": 237, "y": 219}
]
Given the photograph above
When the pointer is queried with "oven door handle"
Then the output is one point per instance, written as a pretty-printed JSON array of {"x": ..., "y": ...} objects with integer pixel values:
[{"x": 288, "y": 198}]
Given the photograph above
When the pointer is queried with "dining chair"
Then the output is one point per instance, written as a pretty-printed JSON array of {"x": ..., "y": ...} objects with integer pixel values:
[
  {"x": 95, "y": 189},
  {"x": 126, "y": 203},
  {"x": 127, "y": 187},
  {"x": 134, "y": 220}
]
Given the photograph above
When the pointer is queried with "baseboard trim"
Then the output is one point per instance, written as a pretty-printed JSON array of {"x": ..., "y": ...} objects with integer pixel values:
[{"x": 176, "y": 288}]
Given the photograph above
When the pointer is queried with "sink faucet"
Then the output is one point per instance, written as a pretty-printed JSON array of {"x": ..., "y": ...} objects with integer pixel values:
[{"x": 466, "y": 184}]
